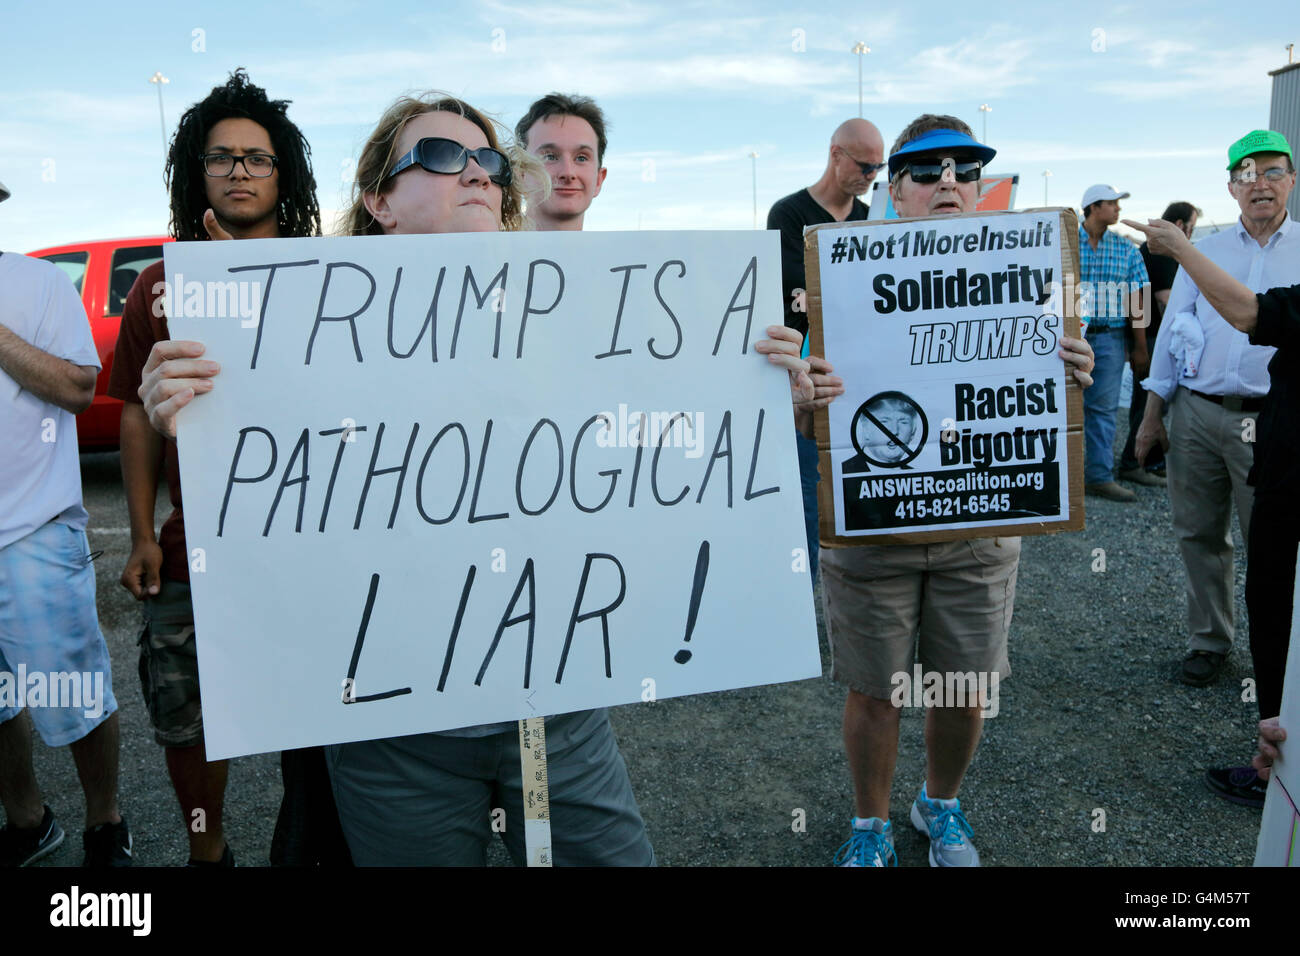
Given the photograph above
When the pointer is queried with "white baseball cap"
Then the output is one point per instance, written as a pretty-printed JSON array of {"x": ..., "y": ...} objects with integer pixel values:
[
  {"x": 4, "y": 193},
  {"x": 1099, "y": 192}
]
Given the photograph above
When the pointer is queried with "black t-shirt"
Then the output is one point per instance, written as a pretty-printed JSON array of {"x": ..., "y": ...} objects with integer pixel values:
[
  {"x": 789, "y": 216},
  {"x": 1277, "y": 454},
  {"x": 1161, "y": 270}
]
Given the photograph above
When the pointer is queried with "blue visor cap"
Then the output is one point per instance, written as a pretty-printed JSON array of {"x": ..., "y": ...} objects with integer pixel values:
[{"x": 939, "y": 139}]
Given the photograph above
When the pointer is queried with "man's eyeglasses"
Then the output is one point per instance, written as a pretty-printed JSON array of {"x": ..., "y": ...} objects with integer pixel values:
[
  {"x": 925, "y": 173},
  {"x": 257, "y": 165},
  {"x": 1273, "y": 175},
  {"x": 869, "y": 170},
  {"x": 448, "y": 157}
]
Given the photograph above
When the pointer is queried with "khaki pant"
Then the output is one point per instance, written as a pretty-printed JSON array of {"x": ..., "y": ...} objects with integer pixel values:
[
  {"x": 1207, "y": 466},
  {"x": 947, "y": 605}
]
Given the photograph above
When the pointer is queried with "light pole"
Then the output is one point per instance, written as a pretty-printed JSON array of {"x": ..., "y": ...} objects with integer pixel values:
[
  {"x": 1046, "y": 173},
  {"x": 158, "y": 80},
  {"x": 860, "y": 48},
  {"x": 986, "y": 110},
  {"x": 753, "y": 170}
]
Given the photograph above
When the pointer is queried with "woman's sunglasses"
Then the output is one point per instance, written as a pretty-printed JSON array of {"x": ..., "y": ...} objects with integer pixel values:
[
  {"x": 446, "y": 156},
  {"x": 925, "y": 173}
]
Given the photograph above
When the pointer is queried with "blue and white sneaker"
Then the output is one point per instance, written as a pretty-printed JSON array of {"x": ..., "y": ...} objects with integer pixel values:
[
  {"x": 944, "y": 823},
  {"x": 872, "y": 844}
]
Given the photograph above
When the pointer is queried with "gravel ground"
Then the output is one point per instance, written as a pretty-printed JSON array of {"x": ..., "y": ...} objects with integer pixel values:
[{"x": 1092, "y": 718}]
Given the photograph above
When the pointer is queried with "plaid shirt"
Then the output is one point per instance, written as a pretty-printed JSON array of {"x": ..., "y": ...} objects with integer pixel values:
[{"x": 1113, "y": 272}]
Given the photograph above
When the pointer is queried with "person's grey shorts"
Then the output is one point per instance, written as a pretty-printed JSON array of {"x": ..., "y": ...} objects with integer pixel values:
[
  {"x": 53, "y": 659},
  {"x": 435, "y": 800}
]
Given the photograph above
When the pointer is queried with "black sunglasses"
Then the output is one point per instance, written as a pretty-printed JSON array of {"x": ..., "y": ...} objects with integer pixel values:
[
  {"x": 446, "y": 156},
  {"x": 868, "y": 169},
  {"x": 925, "y": 173}
]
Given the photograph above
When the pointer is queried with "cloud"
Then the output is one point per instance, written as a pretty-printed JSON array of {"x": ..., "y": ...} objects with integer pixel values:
[
  {"x": 1158, "y": 52},
  {"x": 619, "y": 50},
  {"x": 635, "y": 160},
  {"x": 610, "y": 14},
  {"x": 1051, "y": 152},
  {"x": 938, "y": 75},
  {"x": 109, "y": 114},
  {"x": 1188, "y": 73}
]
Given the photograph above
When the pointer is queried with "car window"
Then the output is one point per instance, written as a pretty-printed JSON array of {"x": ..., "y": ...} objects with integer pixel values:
[
  {"x": 127, "y": 266},
  {"x": 73, "y": 265}
]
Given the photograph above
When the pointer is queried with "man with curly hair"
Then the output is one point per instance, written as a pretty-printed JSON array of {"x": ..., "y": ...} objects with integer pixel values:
[{"x": 237, "y": 167}]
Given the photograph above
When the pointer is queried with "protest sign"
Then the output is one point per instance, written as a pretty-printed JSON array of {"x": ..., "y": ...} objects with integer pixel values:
[
  {"x": 1279, "y": 826},
  {"x": 451, "y": 480},
  {"x": 958, "y": 418}
]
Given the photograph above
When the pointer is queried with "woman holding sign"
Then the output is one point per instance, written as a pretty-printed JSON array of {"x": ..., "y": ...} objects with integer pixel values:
[
  {"x": 434, "y": 164},
  {"x": 951, "y": 602}
]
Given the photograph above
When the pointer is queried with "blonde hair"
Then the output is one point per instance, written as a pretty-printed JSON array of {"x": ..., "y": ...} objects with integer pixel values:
[{"x": 529, "y": 179}]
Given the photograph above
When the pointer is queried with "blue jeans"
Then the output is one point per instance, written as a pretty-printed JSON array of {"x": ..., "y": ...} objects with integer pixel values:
[
  {"x": 1099, "y": 406},
  {"x": 808, "y": 477}
]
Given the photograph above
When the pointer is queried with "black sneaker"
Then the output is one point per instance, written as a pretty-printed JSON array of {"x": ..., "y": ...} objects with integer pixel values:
[
  {"x": 227, "y": 859},
  {"x": 20, "y": 846},
  {"x": 1238, "y": 784},
  {"x": 107, "y": 845}
]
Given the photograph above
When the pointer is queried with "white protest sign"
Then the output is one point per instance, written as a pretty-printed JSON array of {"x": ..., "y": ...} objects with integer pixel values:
[
  {"x": 453, "y": 480},
  {"x": 1279, "y": 826},
  {"x": 954, "y": 419}
]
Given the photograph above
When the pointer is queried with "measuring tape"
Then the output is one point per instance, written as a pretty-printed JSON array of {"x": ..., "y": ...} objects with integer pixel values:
[{"x": 537, "y": 797}]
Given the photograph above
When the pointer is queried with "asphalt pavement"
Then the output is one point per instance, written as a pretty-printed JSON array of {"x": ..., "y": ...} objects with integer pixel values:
[{"x": 1095, "y": 756}]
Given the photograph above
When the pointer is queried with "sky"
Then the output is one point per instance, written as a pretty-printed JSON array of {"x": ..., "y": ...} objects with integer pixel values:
[{"x": 1144, "y": 97}]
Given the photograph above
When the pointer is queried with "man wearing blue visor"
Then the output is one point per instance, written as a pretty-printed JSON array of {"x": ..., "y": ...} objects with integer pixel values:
[{"x": 948, "y": 604}]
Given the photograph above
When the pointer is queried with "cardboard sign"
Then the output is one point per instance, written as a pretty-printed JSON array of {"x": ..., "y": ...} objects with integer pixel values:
[
  {"x": 451, "y": 480},
  {"x": 959, "y": 420}
]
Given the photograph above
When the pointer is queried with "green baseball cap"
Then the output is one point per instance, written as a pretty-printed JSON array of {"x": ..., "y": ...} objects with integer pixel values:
[{"x": 1257, "y": 141}]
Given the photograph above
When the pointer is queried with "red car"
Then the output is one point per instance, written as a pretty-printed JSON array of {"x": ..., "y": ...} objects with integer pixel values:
[{"x": 103, "y": 273}]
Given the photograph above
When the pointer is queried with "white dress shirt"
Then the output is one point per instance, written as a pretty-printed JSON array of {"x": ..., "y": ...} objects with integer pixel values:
[{"x": 1227, "y": 364}]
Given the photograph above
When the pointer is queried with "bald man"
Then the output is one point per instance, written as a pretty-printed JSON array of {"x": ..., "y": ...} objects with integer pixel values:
[{"x": 856, "y": 154}]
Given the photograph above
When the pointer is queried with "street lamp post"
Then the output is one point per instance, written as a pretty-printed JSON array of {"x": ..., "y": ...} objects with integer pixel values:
[
  {"x": 158, "y": 80},
  {"x": 986, "y": 110},
  {"x": 1046, "y": 174},
  {"x": 860, "y": 48},
  {"x": 753, "y": 170}
]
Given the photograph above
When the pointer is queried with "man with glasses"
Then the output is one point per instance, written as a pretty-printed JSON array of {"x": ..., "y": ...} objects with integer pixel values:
[
  {"x": 1112, "y": 277},
  {"x": 951, "y": 602},
  {"x": 1217, "y": 382},
  {"x": 1269, "y": 318},
  {"x": 856, "y": 156},
  {"x": 237, "y": 168}
]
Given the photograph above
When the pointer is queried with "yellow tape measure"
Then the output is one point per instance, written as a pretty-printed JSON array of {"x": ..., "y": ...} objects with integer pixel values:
[{"x": 537, "y": 797}]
